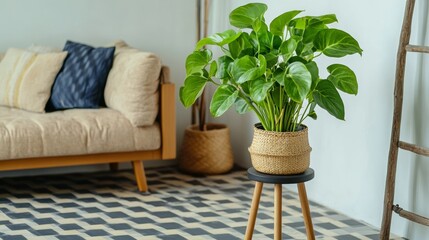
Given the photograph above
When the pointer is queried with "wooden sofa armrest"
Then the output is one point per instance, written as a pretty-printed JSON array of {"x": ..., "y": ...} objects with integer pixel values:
[
  {"x": 167, "y": 115},
  {"x": 164, "y": 76}
]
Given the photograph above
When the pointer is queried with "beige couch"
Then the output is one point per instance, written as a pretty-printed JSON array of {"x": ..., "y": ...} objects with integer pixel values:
[{"x": 112, "y": 135}]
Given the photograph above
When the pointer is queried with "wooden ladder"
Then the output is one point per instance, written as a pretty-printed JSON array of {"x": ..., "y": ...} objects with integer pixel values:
[{"x": 395, "y": 143}]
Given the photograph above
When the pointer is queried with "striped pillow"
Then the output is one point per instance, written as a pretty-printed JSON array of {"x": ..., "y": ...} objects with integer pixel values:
[
  {"x": 26, "y": 78},
  {"x": 81, "y": 82}
]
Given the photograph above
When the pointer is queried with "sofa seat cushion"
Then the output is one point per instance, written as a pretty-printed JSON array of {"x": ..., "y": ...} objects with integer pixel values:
[{"x": 71, "y": 132}]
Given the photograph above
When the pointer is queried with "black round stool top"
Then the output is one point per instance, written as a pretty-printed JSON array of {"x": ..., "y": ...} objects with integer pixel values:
[{"x": 254, "y": 175}]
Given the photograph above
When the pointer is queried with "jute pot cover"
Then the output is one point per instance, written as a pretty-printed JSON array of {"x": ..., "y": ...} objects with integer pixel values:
[
  {"x": 280, "y": 153},
  {"x": 206, "y": 152}
]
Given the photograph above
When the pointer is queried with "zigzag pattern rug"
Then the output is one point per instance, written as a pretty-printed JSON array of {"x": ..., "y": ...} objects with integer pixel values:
[{"x": 108, "y": 206}]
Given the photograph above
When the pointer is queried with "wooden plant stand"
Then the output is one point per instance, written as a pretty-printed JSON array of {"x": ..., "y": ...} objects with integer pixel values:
[{"x": 278, "y": 180}]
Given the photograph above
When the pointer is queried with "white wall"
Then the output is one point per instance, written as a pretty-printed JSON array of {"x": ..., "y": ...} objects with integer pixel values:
[
  {"x": 164, "y": 27},
  {"x": 350, "y": 157}
]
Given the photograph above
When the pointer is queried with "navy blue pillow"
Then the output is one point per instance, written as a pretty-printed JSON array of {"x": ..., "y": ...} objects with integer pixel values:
[{"x": 81, "y": 81}]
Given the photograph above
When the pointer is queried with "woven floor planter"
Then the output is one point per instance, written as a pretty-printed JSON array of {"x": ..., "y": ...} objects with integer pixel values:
[
  {"x": 280, "y": 153},
  {"x": 206, "y": 152}
]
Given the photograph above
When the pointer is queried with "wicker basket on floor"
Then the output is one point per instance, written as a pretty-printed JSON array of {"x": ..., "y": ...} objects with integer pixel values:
[{"x": 206, "y": 152}]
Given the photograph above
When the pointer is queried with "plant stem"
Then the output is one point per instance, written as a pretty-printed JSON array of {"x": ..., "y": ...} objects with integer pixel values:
[
  {"x": 304, "y": 115},
  {"x": 317, "y": 55},
  {"x": 296, "y": 115},
  {"x": 249, "y": 102},
  {"x": 272, "y": 113},
  {"x": 290, "y": 108},
  {"x": 267, "y": 114},
  {"x": 225, "y": 50}
]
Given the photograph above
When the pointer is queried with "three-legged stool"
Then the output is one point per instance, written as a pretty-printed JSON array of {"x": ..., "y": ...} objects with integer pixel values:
[{"x": 278, "y": 180}]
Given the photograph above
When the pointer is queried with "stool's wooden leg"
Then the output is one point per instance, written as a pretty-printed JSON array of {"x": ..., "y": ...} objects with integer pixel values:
[
  {"x": 278, "y": 212},
  {"x": 306, "y": 211},
  {"x": 253, "y": 210}
]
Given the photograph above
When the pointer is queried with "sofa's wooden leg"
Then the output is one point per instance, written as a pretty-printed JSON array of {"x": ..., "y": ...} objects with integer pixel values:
[
  {"x": 114, "y": 166},
  {"x": 140, "y": 176}
]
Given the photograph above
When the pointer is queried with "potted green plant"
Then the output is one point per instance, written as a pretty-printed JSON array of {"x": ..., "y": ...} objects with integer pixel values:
[
  {"x": 206, "y": 147},
  {"x": 272, "y": 71}
]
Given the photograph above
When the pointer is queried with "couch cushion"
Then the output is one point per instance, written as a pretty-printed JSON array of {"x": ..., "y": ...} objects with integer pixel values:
[
  {"x": 81, "y": 82},
  {"x": 26, "y": 78},
  {"x": 71, "y": 132},
  {"x": 132, "y": 85}
]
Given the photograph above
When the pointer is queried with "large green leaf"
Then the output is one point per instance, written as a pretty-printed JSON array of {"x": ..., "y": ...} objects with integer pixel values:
[
  {"x": 279, "y": 76},
  {"x": 197, "y": 60},
  {"x": 223, "y": 67},
  {"x": 299, "y": 23},
  {"x": 213, "y": 69},
  {"x": 277, "y": 94},
  {"x": 314, "y": 26},
  {"x": 311, "y": 112},
  {"x": 246, "y": 66},
  {"x": 328, "y": 98},
  {"x": 277, "y": 41},
  {"x": 237, "y": 46},
  {"x": 259, "y": 89},
  {"x": 245, "y": 16},
  {"x": 313, "y": 115},
  {"x": 222, "y": 100},
  {"x": 218, "y": 39},
  {"x": 245, "y": 87},
  {"x": 297, "y": 81},
  {"x": 249, "y": 75},
  {"x": 314, "y": 71},
  {"x": 288, "y": 47},
  {"x": 326, "y": 19},
  {"x": 277, "y": 26},
  {"x": 262, "y": 64},
  {"x": 192, "y": 89},
  {"x": 297, "y": 59},
  {"x": 265, "y": 39},
  {"x": 343, "y": 78},
  {"x": 336, "y": 43},
  {"x": 241, "y": 106},
  {"x": 247, "y": 69},
  {"x": 272, "y": 58}
]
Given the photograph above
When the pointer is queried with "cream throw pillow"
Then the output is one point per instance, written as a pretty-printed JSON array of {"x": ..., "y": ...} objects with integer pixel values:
[
  {"x": 1, "y": 56},
  {"x": 26, "y": 78},
  {"x": 132, "y": 85}
]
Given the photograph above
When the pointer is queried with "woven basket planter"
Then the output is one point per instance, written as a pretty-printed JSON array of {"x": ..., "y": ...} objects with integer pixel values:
[
  {"x": 280, "y": 153},
  {"x": 206, "y": 152}
]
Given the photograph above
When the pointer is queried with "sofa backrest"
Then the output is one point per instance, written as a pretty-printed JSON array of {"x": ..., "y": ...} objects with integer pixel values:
[{"x": 132, "y": 86}]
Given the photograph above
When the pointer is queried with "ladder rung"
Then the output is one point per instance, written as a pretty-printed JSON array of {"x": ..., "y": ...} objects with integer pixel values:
[
  {"x": 416, "y": 48},
  {"x": 414, "y": 148},
  {"x": 411, "y": 216}
]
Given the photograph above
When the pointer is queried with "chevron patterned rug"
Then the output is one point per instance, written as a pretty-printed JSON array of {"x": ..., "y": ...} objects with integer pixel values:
[{"x": 108, "y": 206}]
